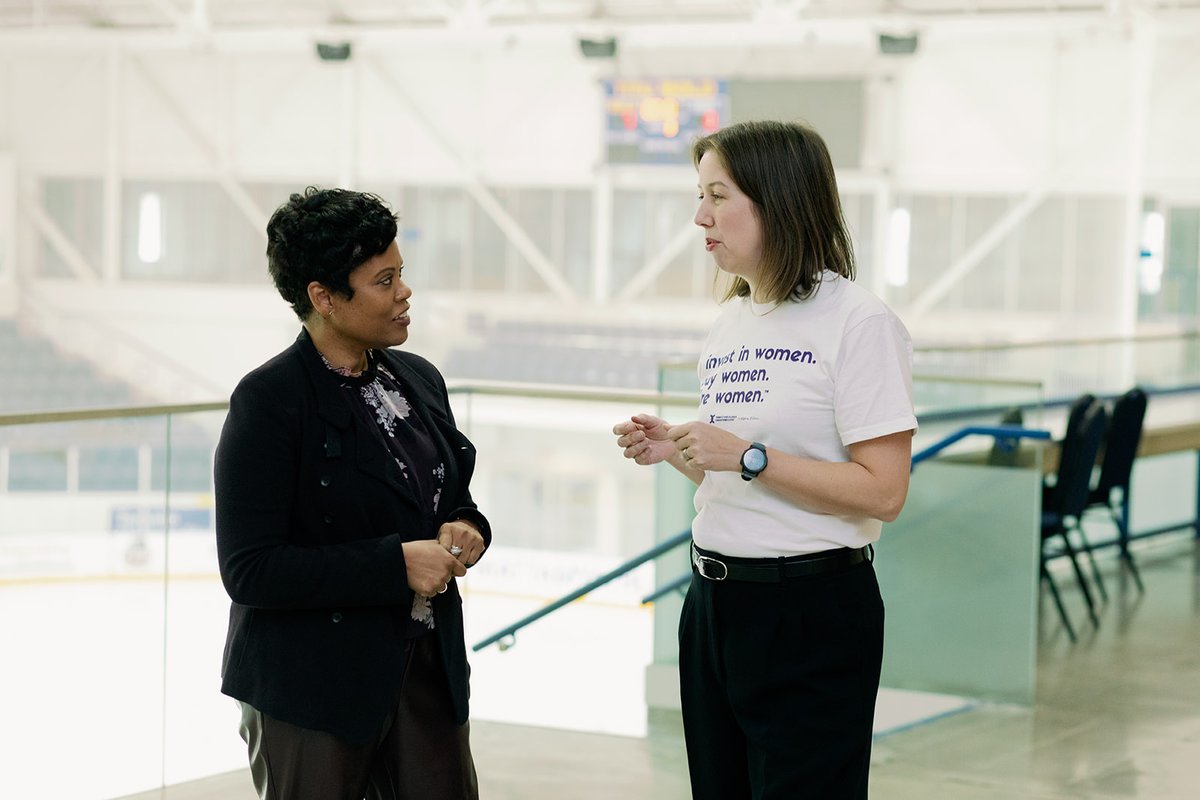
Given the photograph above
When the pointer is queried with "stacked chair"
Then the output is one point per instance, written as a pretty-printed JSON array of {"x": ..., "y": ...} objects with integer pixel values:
[
  {"x": 1092, "y": 434},
  {"x": 1064, "y": 503},
  {"x": 1120, "y": 448}
]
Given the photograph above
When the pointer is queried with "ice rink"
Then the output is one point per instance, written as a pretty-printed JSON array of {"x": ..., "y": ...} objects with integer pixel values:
[{"x": 122, "y": 670}]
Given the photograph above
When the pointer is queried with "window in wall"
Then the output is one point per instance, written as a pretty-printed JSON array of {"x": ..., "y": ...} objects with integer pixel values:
[
  {"x": 859, "y": 212},
  {"x": 434, "y": 236},
  {"x": 542, "y": 215},
  {"x": 690, "y": 271},
  {"x": 576, "y": 239},
  {"x": 990, "y": 284},
  {"x": 645, "y": 221},
  {"x": 1064, "y": 257},
  {"x": 1178, "y": 295},
  {"x": 931, "y": 242},
  {"x": 37, "y": 471},
  {"x": 108, "y": 469},
  {"x": 203, "y": 235},
  {"x": 149, "y": 228},
  {"x": 191, "y": 469},
  {"x": 489, "y": 262},
  {"x": 75, "y": 206},
  {"x": 629, "y": 234},
  {"x": 1099, "y": 276},
  {"x": 898, "y": 247},
  {"x": 1043, "y": 271}
]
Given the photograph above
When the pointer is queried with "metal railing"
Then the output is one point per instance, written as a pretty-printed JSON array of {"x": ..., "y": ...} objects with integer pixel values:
[{"x": 507, "y": 636}]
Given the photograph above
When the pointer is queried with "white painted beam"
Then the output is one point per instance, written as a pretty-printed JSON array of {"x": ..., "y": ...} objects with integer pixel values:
[
  {"x": 222, "y": 175},
  {"x": 110, "y": 264},
  {"x": 57, "y": 239},
  {"x": 1141, "y": 68},
  {"x": 688, "y": 234},
  {"x": 602, "y": 234},
  {"x": 976, "y": 253},
  {"x": 481, "y": 194}
]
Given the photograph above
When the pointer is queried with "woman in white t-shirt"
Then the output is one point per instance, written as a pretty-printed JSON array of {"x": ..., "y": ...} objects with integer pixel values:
[{"x": 801, "y": 450}]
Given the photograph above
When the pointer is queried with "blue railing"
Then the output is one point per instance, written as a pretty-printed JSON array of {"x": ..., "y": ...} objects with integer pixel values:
[
  {"x": 510, "y": 632},
  {"x": 507, "y": 636}
]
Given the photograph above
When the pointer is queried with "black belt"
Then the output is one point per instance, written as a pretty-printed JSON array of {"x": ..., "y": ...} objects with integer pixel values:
[{"x": 716, "y": 567}]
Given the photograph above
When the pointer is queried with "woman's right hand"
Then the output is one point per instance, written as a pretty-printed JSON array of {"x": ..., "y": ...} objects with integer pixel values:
[
  {"x": 644, "y": 438},
  {"x": 430, "y": 566}
]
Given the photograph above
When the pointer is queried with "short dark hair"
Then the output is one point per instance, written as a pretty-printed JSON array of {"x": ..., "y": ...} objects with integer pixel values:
[
  {"x": 323, "y": 235},
  {"x": 785, "y": 169}
]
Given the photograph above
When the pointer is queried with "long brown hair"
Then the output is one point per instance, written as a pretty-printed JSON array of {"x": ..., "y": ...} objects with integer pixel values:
[{"x": 785, "y": 169}]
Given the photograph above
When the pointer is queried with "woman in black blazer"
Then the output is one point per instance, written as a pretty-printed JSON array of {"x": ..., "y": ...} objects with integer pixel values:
[{"x": 343, "y": 518}]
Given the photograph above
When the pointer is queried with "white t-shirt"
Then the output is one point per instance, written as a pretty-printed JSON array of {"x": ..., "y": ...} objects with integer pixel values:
[{"x": 807, "y": 378}]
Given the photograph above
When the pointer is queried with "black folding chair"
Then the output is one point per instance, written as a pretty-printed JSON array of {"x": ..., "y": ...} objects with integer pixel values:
[
  {"x": 1074, "y": 416},
  {"x": 1116, "y": 467},
  {"x": 1069, "y": 499}
]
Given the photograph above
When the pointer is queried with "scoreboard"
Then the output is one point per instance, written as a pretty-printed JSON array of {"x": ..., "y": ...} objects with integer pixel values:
[{"x": 653, "y": 121}]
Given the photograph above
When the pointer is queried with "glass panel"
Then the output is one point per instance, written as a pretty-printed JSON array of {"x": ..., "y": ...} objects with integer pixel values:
[
  {"x": 566, "y": 507},
  {"x": 959, "y": 575},
  {"x": 191, "y": 464},
  {"x": 126, "y": 577},
  {"x": 81, "y": 594},
  {"x": 108, "y": 469},
  {"x": 199, "y": 726},
  {"x": 37, "y": 471},
  {"x": 1069, "y": 368}
]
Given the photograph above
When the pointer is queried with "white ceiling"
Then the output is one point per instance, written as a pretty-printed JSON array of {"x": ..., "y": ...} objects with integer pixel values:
[{"x": 234, "y": 15}]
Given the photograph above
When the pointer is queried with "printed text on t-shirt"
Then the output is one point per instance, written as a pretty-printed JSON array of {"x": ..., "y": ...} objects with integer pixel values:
[{"x": 754, "y": 376}]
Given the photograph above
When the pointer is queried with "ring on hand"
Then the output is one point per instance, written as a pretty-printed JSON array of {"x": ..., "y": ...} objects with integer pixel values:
[
  {"x": 445, "y": 586},
  {"x": 455, "y": 550}
]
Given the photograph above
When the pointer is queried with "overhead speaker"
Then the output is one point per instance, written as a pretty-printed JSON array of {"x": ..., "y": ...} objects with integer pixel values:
[
  {"x": 598, "y": 48},
  {"x": 333, "y": 51},
  {"x": 891, "y": 45}
]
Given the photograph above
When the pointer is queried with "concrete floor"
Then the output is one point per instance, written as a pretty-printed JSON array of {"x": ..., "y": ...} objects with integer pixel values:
[{"x": 1117, "y": 716}]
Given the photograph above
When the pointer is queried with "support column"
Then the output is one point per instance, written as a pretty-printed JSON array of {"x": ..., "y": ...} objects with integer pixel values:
[
  {"x": 110, "y": 262},
  {"x": 1141, "y": 69},
  {"x": 602, "y": 230}
]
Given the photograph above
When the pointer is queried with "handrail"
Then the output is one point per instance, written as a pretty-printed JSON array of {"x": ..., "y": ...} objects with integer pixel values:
[
  {"x": 484, "y": 388},
  {"x": 115, "y": 412},
  {"x": 1190, "y": 333},
  {"x": 998, "y": 431},
  {"x": 995, "y": 431},
  {"x": 552, "y": 391},
  {"x": 652, "y": 553}
]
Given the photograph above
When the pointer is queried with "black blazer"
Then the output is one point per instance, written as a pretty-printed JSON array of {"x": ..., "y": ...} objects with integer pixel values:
[{"x": 311, "y": 511}]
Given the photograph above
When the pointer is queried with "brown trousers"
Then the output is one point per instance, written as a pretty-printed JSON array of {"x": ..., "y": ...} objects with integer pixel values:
[{"x": 420, "y": 755}]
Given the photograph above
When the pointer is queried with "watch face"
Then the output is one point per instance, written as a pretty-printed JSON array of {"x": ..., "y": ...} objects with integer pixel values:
[{"x": 754, "y": 460}]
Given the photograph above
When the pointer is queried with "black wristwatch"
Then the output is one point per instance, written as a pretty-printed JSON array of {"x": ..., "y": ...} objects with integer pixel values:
[{"x": 754, "y": 461}]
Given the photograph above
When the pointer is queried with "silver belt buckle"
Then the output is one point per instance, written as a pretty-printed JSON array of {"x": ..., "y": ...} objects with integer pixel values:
[{"x": 702, "y": 563}]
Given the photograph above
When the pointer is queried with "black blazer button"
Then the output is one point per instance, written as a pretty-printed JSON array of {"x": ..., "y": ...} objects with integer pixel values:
[
  {"x": 337, "y": 616},
  {"x": 326, "y": 480},
  {"x": 328, "y": 519}
]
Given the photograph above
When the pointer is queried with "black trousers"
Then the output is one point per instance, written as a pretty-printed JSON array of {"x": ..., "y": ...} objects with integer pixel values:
[
  {"x": 420, "y": 754},
  {"x": 778, "y": 685}
]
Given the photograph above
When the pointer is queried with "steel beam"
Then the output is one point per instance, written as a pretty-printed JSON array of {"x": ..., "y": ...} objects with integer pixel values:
[
  {"x": 222, "y": 174},
  {"x": 481, "y": 194}
]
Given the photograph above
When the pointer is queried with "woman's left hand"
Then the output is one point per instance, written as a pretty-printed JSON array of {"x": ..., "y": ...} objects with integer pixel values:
[
  {"x": 707, "y": 447},
  {"x": 462, "y": 540}
]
